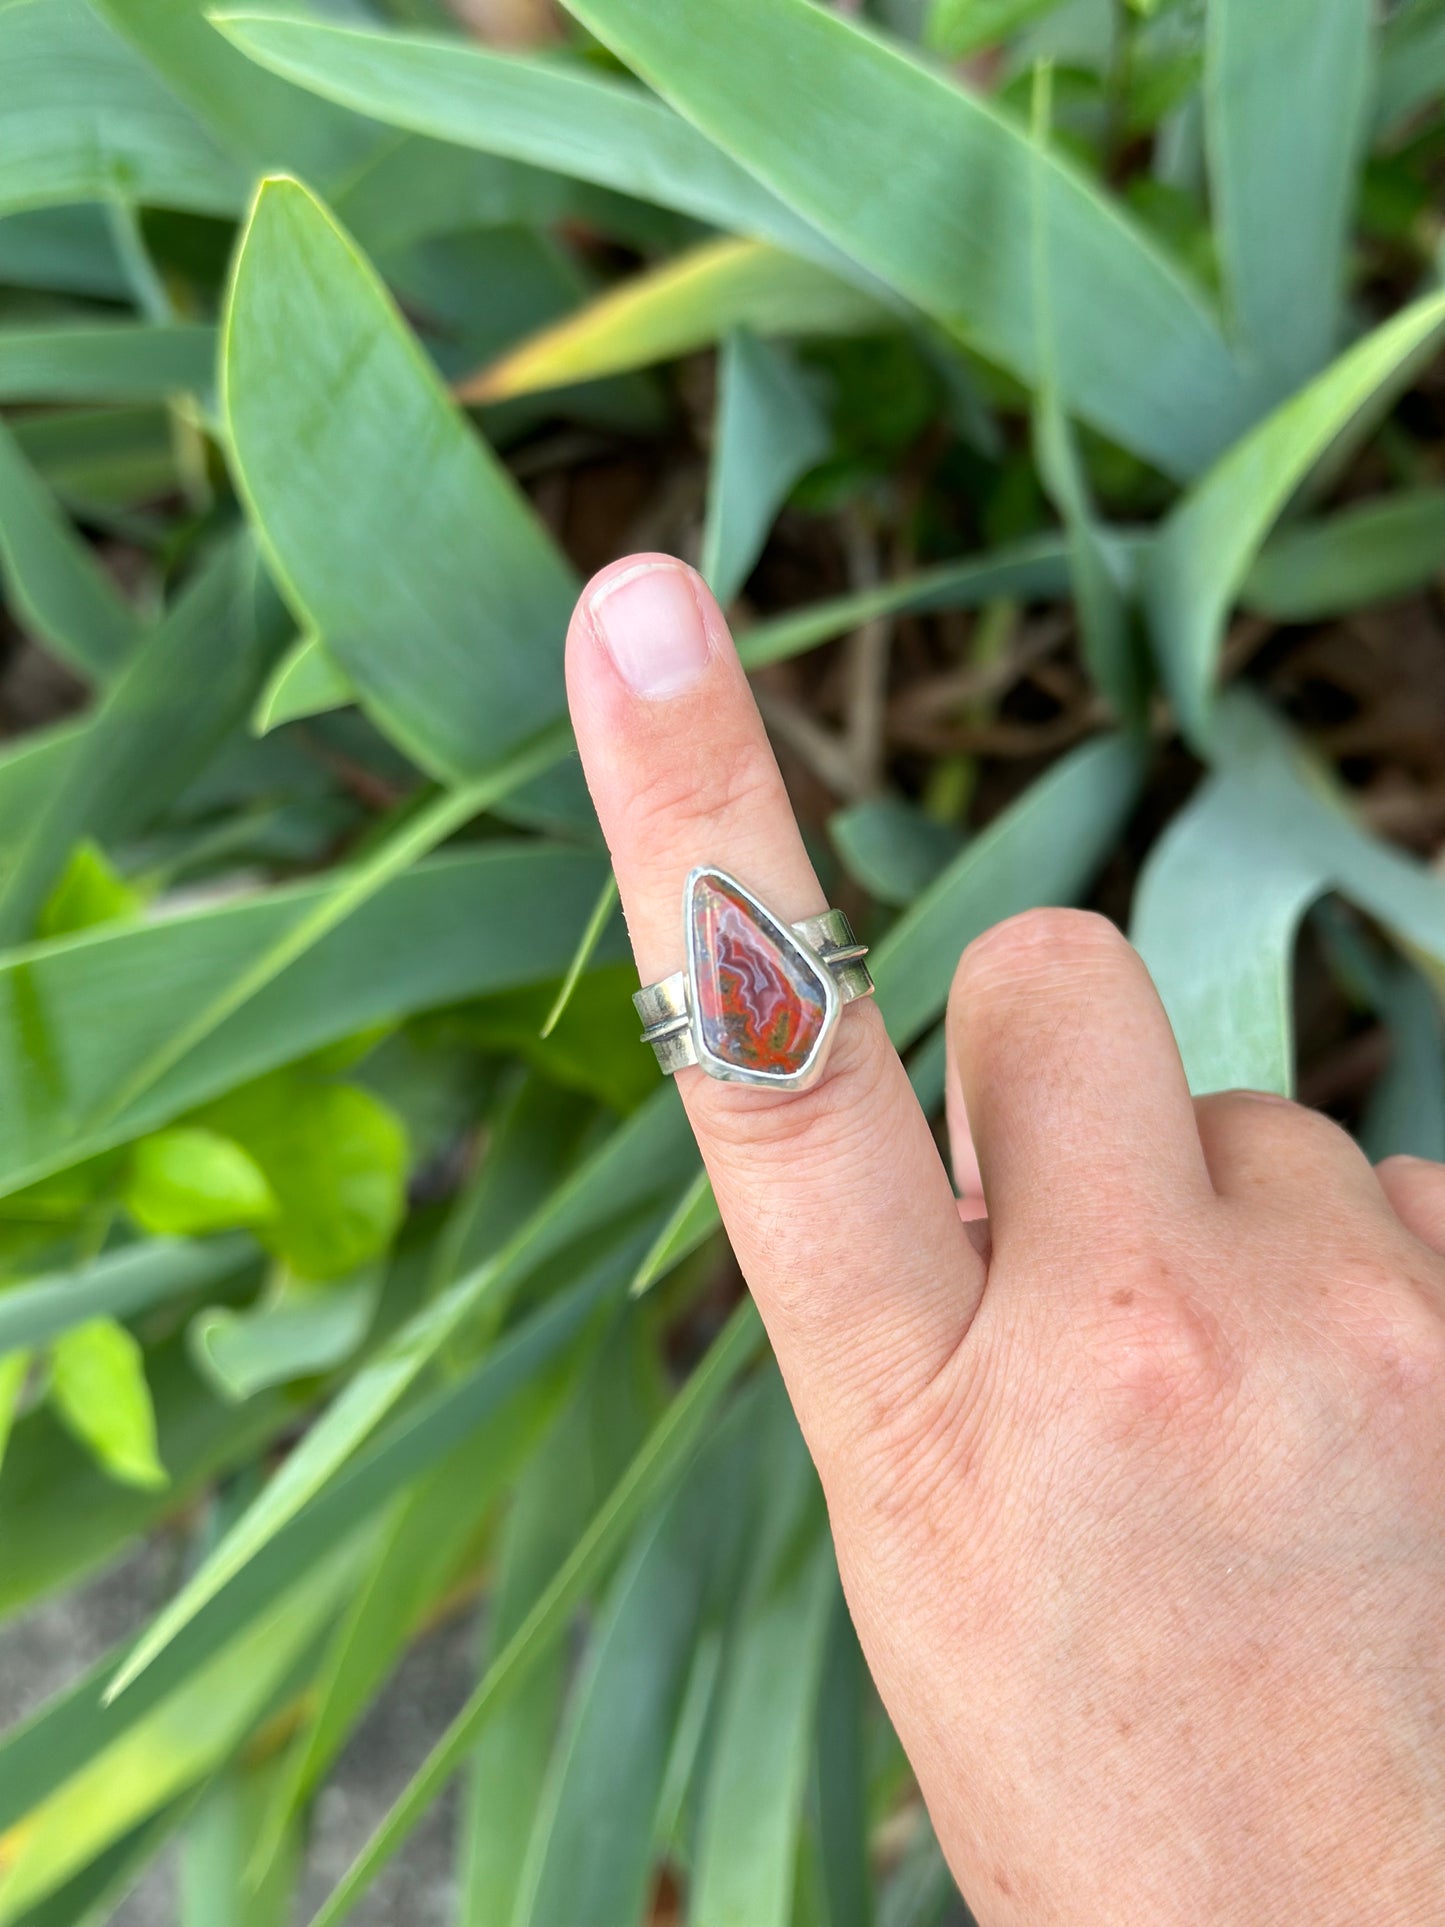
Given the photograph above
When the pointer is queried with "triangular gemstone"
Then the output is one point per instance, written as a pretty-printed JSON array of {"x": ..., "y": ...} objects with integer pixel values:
[{"x": 761, "y": 997}]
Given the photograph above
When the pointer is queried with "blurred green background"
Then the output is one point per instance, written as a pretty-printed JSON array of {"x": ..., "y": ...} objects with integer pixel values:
[{"x": 1049, "y": 388}]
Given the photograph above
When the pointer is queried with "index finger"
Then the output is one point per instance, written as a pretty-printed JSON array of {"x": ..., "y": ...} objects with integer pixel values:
[{"x": 835, "y": 1198}]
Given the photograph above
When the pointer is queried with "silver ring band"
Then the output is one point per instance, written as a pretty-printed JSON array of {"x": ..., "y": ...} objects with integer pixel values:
[{"x": 818, "y": 960}]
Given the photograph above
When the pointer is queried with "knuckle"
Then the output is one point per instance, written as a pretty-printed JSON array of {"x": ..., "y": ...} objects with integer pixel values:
[
  {"x": 679, "y": 792},
  {"x": 1154, "y": 1353},
  {"x": 1038, "y": 941},
  {"x": 1392, "y": 1325}
]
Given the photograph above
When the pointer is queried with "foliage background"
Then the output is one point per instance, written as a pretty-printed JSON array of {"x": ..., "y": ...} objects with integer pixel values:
[{"x": 1048, "y": 385}]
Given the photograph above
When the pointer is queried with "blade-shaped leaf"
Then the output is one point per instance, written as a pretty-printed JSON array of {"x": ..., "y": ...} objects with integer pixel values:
[
  {"x": 331, "y": 402},
  {"x": 688, "y": 303},
  {"x": 928, "y": 187},
  {"x": 1195, "y": 568},
  {"x": 116, "y": 1285},
  {"x": 82, "y": 118},
  {"x": 543, "y": 111},
  {"x": 110, "y": 361},
  {"x": 52, "y": 579},
  {"x": 306, "y": 682},
  {"x": 1369, "y": 553},
  {"x": 769, "y": 431},
  {"x": 1287, "y": 87},
  {"x": 1412, "y": 62}
]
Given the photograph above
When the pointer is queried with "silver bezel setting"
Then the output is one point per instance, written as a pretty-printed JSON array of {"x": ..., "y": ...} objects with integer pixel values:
[{"x": 816, "y": 1061}]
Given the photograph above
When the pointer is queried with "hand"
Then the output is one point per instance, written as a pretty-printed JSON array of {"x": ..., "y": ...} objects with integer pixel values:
[{"x": 1141, "y": 1515}]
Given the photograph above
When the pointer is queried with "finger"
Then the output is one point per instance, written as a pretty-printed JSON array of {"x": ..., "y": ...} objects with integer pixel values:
[
  {"x": 963, "y": 1153},
  {"x": 1415, "y": 1188},
  {"x": 835, "y": 1198},
  {"x": 1077, "y": 1100},
  {"x": 1262, "y": 1148}
]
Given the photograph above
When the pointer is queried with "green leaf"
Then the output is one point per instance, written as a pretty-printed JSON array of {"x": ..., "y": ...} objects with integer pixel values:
[
  {"x": 84, "y": 119},
  {"x": 259, "y": 119},
  {"x": 189, "y": 1180},
  {"x": 106, "y": 361},
  {"x": 116, "y": 1285},
  {"x": 176, "y": 1745},
  {"x": 928, "y": 187},
  {"x": 298, "y": 1328},
  {"x": 1193, "y": 572},
  {"x": 334, "y": 1159},
  {"x": 841, "y": 1769},
  {"x": 53, "y": 581},
  {"x": 88, "y": 892},
  {"x": 958, "y": 28},
  {"x": 1373, "y": 552},
  {"x": 1037, "y": 568},
  {"x": 1044, "y": 849},
  {"x": 1287, "y": 88},
  {"x": 323, "y": 384},
  {"x": 663, "y": 1456},
  {"x": 692, "y": 1222},
  {"x": 191, "y": 680},
  {"x": 14, "y": 1371},
  {"x": 687, "y": 303},
  {"x": 891, "y": 847},
  {"x": 753, "y": 1814},
  {"x": 603, "y": 912},
  {"x": 98, "y": 1386},
  {"x": 1411, "y": 63},
  {"x": 122, "y": 1030},
  {"x": 1406, "y": 1109},
  {"x": 769, "y": 431},
  {"x": 70, "y": 250},
  {"x": 544, "y": 111},
  {"x": 306, "y": 682},
  {"x": 591, "y": 1847}
]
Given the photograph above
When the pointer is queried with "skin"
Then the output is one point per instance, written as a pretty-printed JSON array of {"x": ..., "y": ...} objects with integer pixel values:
[{"x": 1138, "y": 1488}]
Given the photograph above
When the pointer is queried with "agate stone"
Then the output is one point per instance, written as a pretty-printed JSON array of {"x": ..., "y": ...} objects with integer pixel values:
[{"x": 761, "y": 996}]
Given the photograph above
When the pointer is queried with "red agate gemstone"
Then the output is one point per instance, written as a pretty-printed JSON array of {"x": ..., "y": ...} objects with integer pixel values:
[{"x": 761, "y": 997}]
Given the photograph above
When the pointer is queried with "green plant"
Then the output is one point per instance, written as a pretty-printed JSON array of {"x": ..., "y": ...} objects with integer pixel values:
[{"x": 346, "y": 1231}]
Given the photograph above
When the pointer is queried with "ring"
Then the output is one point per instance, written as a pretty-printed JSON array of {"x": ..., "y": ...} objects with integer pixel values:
[{"x": 759, "y": 999}]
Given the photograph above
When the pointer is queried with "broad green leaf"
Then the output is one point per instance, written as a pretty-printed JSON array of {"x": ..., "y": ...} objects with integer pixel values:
[
  {"x": 1044, "y": 849},
  {"x": 439, "y": 547},
  {"x": 928, "y": 187},
  {"x": 1411, "y": 62},
  {"x": 298, "y": 1327},
  {"x": 544, "y": 111},
  {"x": 98, "y": 1386},
  {"x": 659, "y": 1461},
  {"x": 84, "y": 119},
  {"x": 254, "y": 116},
  {"x": 120, "y": 1031},
  {"x": 109, "y": 361},
  {"x": 1287, "y": 89},
  {"x": 102, "y": 463},
  {"x": 1203, "y": 553},
  {"x": 891, "y": 847},
  {"x": 88, "y": 892},
  {"x": 1107, "y": 640},
  {"x": 175, "y": 1745},
  {"x": 70, "y": 250},
  {"x": 188, "y": 1180},
  {"x": 591, "y": 1845},
  {"x": 217, "y": 1848},
  {"x": 958, "y": 28},
  {"x": 334, "y": 1159},
  {"x": 685, "y": 304},
  {"x": 182, "y": 689},
  {"x": 62, "y": 1516},
  {"x": 841, "y": 1772},
  {"x": 1373, "y": 552},
  {"x": 1223, "y": 892},
  {"x": 1406, "y": 1108},
  {"x": 752, "y": 1817},
  {"x": 379, "y": 1386},
  {"x": 42, "y": 1753},
  {"x": 14, "y": 1371},
  {"x": 1035, "y": 568},
  {"x": 769, "y": 430},
  {"x": 306, "y": 682},
  {"x": 52, "y": 580},
  {"x": 116, "y": 1285}
]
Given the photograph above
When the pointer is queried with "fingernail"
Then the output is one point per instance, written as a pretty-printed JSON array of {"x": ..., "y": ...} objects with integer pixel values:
[{"x": 652, "y": 627}]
